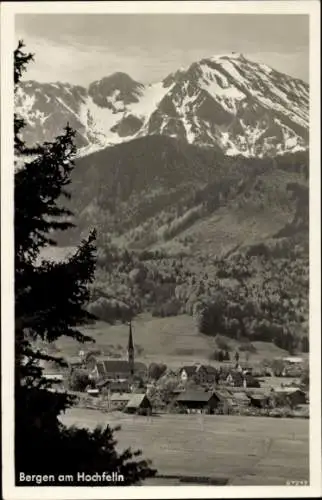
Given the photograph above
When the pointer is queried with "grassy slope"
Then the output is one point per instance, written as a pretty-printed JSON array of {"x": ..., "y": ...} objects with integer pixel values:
[
  {"x": 174, "y": 341},
  {"x": 264, "y": 208},
  {"x": 245, "y": 450}
]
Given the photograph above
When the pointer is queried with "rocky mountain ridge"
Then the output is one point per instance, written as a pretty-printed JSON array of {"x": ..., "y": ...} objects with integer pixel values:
[{"x": 229, "y": 102}]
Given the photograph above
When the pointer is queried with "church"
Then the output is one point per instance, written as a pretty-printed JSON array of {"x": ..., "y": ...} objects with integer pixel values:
[{"x": 102, "y": 368}]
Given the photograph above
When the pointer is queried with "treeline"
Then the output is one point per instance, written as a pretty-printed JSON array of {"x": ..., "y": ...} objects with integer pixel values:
[{"x": 246, "y": 295}]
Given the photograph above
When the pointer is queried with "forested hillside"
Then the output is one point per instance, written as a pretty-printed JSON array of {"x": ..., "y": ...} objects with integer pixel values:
[{"x": 185, "y": 230}]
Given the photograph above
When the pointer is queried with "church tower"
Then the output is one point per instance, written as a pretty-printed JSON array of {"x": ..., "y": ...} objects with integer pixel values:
[{"x": 130, "y": 350}]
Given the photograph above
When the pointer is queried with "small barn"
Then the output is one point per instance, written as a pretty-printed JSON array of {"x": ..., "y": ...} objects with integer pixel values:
[
  {"x": 240, "y": 399},
  {"x": 225, "y": 402},
  {"x": 292, "y": 395},
  {"x": 198, "y": 401},
  {"x": 139, "y": 403},
  {"x": 259, "y": 400}
]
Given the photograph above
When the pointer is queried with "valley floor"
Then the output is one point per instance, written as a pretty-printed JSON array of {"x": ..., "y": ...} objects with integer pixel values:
[{"x": 239, "y": 450}]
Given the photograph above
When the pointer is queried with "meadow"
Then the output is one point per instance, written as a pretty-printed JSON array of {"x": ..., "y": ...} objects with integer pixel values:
[
  {"x": 174, "y": 341},
  {"x": 238, "y": 450}
]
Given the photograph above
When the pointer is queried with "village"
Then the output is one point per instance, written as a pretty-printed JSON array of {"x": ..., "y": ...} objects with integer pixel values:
[{"x": 232, "y": 387}]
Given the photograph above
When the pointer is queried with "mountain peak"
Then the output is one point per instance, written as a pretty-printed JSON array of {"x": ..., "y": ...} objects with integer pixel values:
[
  {"x": 226, "y": 101},
  {"x": 117, "y": 87},
  {"x": 228, "y": 55},
  {"x": 119, "y": 77}
]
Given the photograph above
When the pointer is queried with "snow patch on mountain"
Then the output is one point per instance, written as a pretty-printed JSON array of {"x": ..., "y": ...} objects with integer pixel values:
[
  {"x": 151, "y": 97},
  {"x": 226, "y": 101},
  {"x": 98, "y": 121}
]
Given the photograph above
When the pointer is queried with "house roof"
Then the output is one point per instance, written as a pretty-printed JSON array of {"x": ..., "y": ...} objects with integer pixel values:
[
  {"x": 288, "y": 390},
  {"x": 136, "y": 400},
  {"x": 211, "y": 370},
  {"x": 92, "y": 391},
  {"x": 118, "y": 366},
  {"x": 293, "y": 359},
  {"x": 116, "y": 386},
  {"x": 197, "y": 396},
  {"x": 222, "y": 394},
  {"x": 240, "y": 396},
  {"x": 120, "y": 396}
]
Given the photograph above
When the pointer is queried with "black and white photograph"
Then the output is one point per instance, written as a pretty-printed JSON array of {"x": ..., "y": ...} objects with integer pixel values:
[{"x": 160, "y": 201}]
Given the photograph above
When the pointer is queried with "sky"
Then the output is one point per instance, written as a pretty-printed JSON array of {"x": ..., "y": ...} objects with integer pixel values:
[{"x": 82, "y": 48}]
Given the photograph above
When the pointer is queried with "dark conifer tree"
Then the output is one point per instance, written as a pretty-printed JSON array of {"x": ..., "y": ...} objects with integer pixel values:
[
  {"x": 50, "y": 300},
  {"x": 221, "y": 356},
  {"x": 305, "y": 346},
  {"x": 227, "y": 357}
]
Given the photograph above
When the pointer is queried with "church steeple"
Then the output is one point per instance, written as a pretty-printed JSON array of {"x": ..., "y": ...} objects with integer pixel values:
[{"x": 130, "y": 349}]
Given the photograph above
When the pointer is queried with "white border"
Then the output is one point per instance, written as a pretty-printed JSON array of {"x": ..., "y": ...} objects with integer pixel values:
[{"x": 8, "y": 10}]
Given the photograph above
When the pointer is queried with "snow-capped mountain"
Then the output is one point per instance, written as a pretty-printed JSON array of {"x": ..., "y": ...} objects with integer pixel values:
[{"x": 226, "y": 101}]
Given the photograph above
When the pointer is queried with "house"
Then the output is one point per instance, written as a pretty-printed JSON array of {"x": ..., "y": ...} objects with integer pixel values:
[
  {"x": 139, "y": 403},
  {"x": 240, "y": 399},
  {"x": 235, "y": 379},
  {"x": 293, "y": 360},
  {"x": 250, "y": 381},
  {"x": 201, "y": 374},
  {"x": 197, "y": 400},
  {"x": 259, "y": 400},
  {"x": 110, "y": 386},
  {"x": 302, "y": 411},
  {"x": 93, "y": 392},
  {"x": 188, "y": 372},
  {"x": 206, "y": 374},
  {"x": 225, "y": 400},
  {"x": 292, "y": 370},
  {"x": 119, "y": 401},
  {"x": 291, "y": 395},
  {"x": 222, "y": 375}
]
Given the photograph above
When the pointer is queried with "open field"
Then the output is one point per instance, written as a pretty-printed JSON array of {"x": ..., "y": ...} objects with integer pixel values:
[
  {"x": 226, "y": 229},
  {"x": 242, "y": 450},
  {"x": 174, "y": 341}
]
